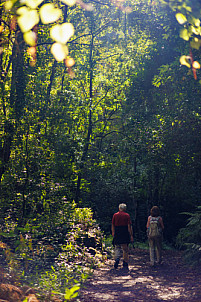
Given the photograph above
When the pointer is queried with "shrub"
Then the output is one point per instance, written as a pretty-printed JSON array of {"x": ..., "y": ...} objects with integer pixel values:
[
  {"x": 189, "y": 238},
  {"x": 57, "y": 257}
]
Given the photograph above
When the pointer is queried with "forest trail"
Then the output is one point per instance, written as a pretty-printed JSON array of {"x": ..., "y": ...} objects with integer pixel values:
[{"x": 171, "y": 281}]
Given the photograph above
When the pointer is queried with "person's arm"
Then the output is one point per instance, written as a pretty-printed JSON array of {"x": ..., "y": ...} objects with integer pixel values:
[
  {"x": 148, "y": 222},
  {"x": 130, "y": 231},
  {"x": 113, "y": 225},
  {"x": 161, "y": 223},
  {"x": 113, "y": 230}
]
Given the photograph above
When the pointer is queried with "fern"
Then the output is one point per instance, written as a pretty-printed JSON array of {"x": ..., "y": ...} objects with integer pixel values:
[{"x": 189, "y": 238}]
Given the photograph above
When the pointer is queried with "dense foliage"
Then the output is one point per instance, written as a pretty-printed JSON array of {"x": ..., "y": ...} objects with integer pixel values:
[
  {"x": 189, "y": 238},
  {"x": 53, "y": 258},
  {"x": 122, "y": 126}
]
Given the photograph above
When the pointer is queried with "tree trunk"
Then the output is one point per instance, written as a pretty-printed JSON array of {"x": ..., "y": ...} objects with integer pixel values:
[
  {"x": 17, "y": 100},
  {"x": 89, "y": 132}
]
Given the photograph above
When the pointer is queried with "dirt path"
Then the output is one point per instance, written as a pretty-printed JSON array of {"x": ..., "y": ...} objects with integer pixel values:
[{"x": 171, "y": 281}]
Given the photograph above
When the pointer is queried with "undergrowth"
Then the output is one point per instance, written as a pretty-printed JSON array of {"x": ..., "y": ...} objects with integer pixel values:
[
  {"x": 53, "y": 264},
  {"x": 189, "y": 238}
]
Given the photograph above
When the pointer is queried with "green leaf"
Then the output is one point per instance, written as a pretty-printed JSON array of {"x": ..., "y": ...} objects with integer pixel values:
[
  {"x": 184, "y": 34},
  {"x": 69, "y": 2},
  {"x": 49, "y": 14},
  {"x": 59, "y": 51},
  {"x": 62, "y": 33},
  {"x": 27, "y": 19},
  {"x": 184, "y": 60},
  {"x": 181, "y": 18},
  {"x": 72, "y": 292}
]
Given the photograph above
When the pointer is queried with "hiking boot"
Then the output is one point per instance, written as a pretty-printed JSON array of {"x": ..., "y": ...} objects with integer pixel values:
[
  {"x": 125, "y": 264},
  {"x": 116, "y": 264}
]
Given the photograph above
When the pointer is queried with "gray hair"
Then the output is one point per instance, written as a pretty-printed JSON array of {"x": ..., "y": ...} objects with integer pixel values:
[{"x": 122, "y": 206}]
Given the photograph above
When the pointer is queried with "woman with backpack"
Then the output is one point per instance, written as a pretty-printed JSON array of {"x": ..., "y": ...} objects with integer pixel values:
[{"x": 155, "y": 228}]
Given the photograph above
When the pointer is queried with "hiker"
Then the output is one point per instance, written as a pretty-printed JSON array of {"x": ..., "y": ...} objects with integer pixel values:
[
  {"x": 155, "y": 228},
  {"x": 122, "y": 235}
]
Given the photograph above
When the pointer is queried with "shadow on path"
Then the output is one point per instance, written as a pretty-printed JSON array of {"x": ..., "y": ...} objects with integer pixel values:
[{"x": 171, "y": 281}]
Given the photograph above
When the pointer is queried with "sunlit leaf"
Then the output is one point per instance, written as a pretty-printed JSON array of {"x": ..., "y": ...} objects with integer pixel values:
[
  {"x": 49, "y": 14},
  {"x": 69, "y": 62},
  {"x": 62, "y": 33},
  {"x": 197, "y": 22},
  {"x": 59, "y": 51},
  {"x": 69, "y": 2},
  {"x": 31, "y": 51},
  {"x": 33, "y": 3},
  {"x": 196, "y": 65},
  {"x": 195, "y": 43},
  {"x": 184, "y": 60},
  {"x": 184, "y": 34},
  {"x": 22, "y": 10},
  {"x": 1, "y": 28},
  {"x": 8, "y": 5},
  {"x": 30, "y": 38},
  {"x": 187, "y": 8},
  {"x": 194, "y": 21},
  {"x": 72, "y": 292},
  {"x": 27, "y": 19},
  {"x": 195, "y": 30},
  {"x": 181, "y": 18}
]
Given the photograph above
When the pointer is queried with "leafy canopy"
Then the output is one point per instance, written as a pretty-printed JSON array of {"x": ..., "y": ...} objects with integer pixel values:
[{"x": 29, "y": 13}]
